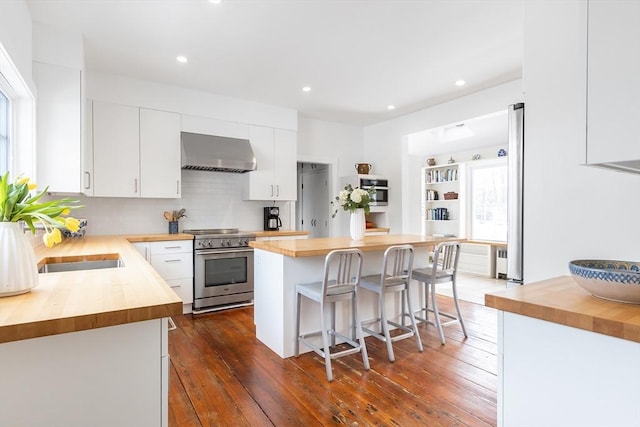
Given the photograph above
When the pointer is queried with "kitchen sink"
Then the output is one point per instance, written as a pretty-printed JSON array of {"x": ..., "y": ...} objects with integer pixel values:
[{"x": 78, "y": 263}]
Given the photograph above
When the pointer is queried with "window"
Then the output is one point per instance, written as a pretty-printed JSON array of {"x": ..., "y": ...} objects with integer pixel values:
[
  {"x": 17, "y": 120},
  {"x": 4, "y": 133},
  {"x": 488, "y": 207}
]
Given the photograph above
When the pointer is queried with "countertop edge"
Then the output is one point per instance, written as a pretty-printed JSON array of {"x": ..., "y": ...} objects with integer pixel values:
[
  {"x": 600, "y": 321},
  {"x": 49, "y": 327}
]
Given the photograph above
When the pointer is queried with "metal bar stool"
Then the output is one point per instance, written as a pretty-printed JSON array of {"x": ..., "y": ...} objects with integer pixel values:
[
  {"x": 342, "y": 269},
  {"x": 443, "y": 270},
  {"x": 395, "y": 277}
]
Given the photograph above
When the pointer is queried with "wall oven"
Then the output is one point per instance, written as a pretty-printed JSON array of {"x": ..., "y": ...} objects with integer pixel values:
[
  {"x": 380, "y": 184},
  {"x": 223, "y": 269}
]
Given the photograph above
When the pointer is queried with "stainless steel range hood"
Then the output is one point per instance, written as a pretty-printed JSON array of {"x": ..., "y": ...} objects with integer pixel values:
[{"x": 216, "y": 153}]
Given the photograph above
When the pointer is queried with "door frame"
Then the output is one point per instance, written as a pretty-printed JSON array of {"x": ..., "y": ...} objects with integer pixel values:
[{"x": 332, "y": 175}]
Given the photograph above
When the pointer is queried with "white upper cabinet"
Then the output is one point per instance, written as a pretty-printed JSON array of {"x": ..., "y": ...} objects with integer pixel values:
[
  {"x": 613, "y": 88},
  {"x": 136, "y": 152},
  {"x": 159, "y": 154},
  {"x": 276, "y": 154},
  {"x": 116, "y": 150},
  {"x": 208, "y": 126},
  {"x": 59, "y": 127},
  {"x": 285, "y": 164}
]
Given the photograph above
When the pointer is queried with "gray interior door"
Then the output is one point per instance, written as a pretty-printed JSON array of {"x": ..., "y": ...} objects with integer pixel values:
[{"x": 315, "y": 202}]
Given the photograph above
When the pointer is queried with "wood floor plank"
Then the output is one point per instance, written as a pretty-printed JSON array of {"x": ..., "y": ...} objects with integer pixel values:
[{"x": 221, "y": 375}]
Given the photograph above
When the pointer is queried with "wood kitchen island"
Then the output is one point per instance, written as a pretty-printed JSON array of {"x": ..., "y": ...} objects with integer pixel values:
[
  {"x": 565, "y": 357},
  {"x": 280, "y": 265}
]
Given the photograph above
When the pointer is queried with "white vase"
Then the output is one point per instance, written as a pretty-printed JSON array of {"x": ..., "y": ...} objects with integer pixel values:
[
  {"x": 356, "y": 225},
  {"x": 18, "y": 269}
]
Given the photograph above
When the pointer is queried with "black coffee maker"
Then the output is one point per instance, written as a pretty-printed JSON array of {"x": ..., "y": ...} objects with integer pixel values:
[{"x": 272, "y": 218}]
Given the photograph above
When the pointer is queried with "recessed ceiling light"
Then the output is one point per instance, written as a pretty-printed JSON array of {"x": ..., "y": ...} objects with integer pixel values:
[
  {"x": 181, "y": 59},
  {"x": 460, "y": 83},
  {"x": 306, "y": 89},
  {"x": 391, "y": 107}
]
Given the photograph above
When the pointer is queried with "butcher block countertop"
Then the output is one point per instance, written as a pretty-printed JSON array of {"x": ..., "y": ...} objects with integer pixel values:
[
  {"x": 280, "y": 233},
  {"x": 561, "y": 300},
  {"x": 81, "y": 300},
  {"x": 322, "y": 246}
]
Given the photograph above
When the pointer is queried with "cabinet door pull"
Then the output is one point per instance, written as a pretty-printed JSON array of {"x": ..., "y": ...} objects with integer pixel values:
[
  {"x": 271, "y": 190},
  {"x": 172, "y": 247},
  {"x": 88, "y": 175},
  {"x": 171, "y": 260},
  {"x": 177, "y": 186},
  {"x": 135, "y": 185},
  {"x": 278, "y": 190},
  {"x": 175, "y": 286}
]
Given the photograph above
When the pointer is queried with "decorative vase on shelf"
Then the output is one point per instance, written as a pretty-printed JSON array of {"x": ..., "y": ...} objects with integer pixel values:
[
  {"x": 357, "y": 224},
  {"x": 18, "y": 269}
]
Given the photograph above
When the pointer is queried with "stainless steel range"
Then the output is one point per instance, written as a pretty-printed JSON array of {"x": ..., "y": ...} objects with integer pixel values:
[{"x": 223, "y": 268}]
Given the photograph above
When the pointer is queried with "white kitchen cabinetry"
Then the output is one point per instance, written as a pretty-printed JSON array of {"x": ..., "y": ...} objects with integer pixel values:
[
  {"x": 136, "y": 152},
  {"x": 209, "y": 126},
  {"x": 613, "y": 89},
  {"x": 111, "y": 376},
  {"x": 173, "y": 261},
  {"x": 276, "y": 156},
  {"x": 549, "y": 374},
  {"x": 116, "y": 150},
  {"x": 59, "y": 127},
  {"x": 159, "y": 154},
  {"x": 442, "y": 216}
]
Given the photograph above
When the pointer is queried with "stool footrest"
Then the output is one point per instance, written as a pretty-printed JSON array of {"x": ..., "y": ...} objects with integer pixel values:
[{"x": 355, "y": 347}]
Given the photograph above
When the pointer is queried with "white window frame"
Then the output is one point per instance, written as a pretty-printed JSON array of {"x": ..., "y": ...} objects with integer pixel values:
[
  {"x": 478, "y": 164},
  {"x": 22, "y": 159}
]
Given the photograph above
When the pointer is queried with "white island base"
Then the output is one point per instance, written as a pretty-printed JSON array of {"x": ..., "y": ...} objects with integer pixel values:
[
  {"x": 556, "y": 375},
  {"x": 276, "y": 276}
]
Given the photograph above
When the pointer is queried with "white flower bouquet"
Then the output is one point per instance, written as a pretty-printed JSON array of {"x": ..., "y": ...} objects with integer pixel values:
[{"x": 351, "y": 199}]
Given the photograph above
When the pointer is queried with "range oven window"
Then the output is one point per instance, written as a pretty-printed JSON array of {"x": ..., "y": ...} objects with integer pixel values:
[{"x": 225, "y": 271}]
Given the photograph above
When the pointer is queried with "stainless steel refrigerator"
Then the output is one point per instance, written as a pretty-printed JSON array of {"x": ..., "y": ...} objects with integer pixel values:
[{"x": 515, "y": 199}]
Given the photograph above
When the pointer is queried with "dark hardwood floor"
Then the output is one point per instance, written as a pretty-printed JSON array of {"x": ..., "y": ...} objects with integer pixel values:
[{"x": 221, "y": 375}]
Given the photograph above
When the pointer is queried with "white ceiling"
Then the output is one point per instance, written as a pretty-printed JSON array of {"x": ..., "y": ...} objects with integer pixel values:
[
  {"x": 489, "y": 130},
  {"x": 357, "y": 56}
]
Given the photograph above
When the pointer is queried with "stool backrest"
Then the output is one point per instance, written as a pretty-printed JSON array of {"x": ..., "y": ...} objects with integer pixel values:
[
  {"x": 342, "y": 270},
  {"x": 397, "y": 264},
  {"x": 446, "y": 256}
]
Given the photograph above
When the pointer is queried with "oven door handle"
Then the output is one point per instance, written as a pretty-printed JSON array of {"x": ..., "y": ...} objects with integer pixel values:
[{"x": 219, "y": 252}]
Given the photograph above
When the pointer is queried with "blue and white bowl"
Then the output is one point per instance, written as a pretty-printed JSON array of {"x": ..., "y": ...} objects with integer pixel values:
[
  {"x": 80, "y": 233},
  {"x": 612, "y": 280}
]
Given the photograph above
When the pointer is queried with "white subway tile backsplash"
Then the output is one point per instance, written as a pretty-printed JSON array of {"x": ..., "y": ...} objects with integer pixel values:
[{"x": 211, "y": 200}]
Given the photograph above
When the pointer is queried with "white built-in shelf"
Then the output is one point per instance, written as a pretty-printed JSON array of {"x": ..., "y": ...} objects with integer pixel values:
[{"x": 441, "y": 200}]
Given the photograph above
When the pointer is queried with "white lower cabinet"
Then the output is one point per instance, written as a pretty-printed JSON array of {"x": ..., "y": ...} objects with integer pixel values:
[
  {"x": 173, "y": 260},
  {"x": 104, "y": 377}
]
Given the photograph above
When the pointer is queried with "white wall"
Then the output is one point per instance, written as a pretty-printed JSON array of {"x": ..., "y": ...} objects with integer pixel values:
[
  {"x": 54, "y": 46},
  {"x": 15, "y": 36},
  {"x": 386, "y": 147},
  {"x": 337, "y": 144},
  {"x": 571, "y": 211}
]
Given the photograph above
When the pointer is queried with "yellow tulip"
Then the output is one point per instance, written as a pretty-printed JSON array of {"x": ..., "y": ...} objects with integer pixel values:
[
  {"x": 72, "y": 224},
  {"x": 66, "y": 212},
  {"x": 22, "y": 180},
  {"x": 57, "y": 235},
  {"x": 32, "y": 186},
  {"x": 47, "y": 238}
]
